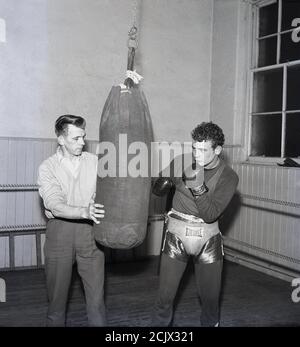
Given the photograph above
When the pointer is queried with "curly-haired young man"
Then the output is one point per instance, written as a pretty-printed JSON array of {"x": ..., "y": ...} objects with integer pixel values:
[{"x": 202, "y": 192}]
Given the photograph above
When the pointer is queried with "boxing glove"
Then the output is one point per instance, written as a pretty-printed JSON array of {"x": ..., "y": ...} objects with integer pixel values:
[
  {"x": 162, "y": 186},
  {"x": 193, "y": 178}
]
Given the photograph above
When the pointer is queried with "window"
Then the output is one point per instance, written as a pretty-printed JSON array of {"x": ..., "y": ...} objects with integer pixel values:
[{"x": 275, "y": 104}]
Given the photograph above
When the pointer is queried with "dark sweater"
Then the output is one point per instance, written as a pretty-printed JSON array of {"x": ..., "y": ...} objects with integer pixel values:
[{"x": 210, "y": 205}]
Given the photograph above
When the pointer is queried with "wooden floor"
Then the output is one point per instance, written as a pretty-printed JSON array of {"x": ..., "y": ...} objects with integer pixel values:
[{"x": 249, "y": 298}]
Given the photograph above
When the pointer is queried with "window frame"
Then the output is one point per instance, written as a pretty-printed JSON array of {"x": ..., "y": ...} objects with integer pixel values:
[{"x": 254, "y": 56}]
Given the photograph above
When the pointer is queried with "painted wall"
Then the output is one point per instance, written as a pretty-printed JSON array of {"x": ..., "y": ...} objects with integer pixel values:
[
  {"x": 63, "y": 56},
  {"x": 229, "y": 68}
]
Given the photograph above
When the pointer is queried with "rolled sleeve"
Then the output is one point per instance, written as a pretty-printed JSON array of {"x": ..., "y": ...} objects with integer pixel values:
[{"x": 49, "y": 188}]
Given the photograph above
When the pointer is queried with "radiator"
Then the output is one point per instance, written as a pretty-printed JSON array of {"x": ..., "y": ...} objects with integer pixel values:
[{"x": 263, "y": 218}]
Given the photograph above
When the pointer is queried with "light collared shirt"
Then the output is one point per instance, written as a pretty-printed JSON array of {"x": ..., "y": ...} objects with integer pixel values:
[{"x": 71, "y": 182}]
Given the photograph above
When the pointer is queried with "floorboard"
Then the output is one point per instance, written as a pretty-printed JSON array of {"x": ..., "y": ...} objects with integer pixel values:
[{"x": 249, "y": 298}]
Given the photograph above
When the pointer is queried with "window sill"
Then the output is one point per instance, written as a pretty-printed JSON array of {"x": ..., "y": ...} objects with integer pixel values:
[{"x": 261, "y": 161}]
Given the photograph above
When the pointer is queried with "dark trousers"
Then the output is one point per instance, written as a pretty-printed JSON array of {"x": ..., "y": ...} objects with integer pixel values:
[
  {"x": 67, "y": 242},
  {"x": 208, "y": 280}
]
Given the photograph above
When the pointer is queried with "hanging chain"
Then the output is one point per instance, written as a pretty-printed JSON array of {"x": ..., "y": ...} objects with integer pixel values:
[
  {"x": 132, "y": 77},
  {"x": 134, "y": 12},
  {"x": 132, "y": 34}
]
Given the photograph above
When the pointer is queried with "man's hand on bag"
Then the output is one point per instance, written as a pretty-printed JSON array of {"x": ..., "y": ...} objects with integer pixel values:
[{"x": 94, "y": 212}]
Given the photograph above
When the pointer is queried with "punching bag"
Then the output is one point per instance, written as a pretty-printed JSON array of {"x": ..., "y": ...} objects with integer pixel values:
[{"x": 124, "y": 187}]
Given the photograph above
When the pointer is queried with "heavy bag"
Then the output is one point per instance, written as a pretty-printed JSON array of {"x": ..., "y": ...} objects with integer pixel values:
[{"x": 124, "y": 168}]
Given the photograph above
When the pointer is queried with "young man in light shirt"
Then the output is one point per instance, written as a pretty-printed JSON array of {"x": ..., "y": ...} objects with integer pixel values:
[{"x": 67, "y": 185}]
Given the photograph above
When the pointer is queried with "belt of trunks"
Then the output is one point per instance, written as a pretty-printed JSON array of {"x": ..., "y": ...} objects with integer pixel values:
[{"x": 188, "y": 235}]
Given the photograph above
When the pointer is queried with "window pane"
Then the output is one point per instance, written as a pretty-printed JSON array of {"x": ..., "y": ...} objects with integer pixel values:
[
  {"x": 267, "y": 93},
  {"x": 290, "y": 11},
  {"x": 267, "y": 51},
  {"x": 268, "y": 20},
  {"x": 293, "y": 88},
  {"x": 266, "y": 136},
  {"x": 290, "y": 50},
  {"x": 292, "y": 142}
]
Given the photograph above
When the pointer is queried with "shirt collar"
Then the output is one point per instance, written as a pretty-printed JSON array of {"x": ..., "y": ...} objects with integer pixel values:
[{"x": 60, "y": 155}]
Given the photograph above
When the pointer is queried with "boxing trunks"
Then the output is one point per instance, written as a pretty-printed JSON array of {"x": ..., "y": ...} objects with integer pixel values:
[{"x": 187, "y": 235}]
